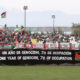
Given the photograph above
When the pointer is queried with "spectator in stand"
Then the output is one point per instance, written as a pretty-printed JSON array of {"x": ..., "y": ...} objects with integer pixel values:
[{"x": 22, "y": 39}]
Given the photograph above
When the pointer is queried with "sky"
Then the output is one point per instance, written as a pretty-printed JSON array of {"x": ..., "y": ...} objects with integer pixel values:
[{"x": 69, "y": 7}]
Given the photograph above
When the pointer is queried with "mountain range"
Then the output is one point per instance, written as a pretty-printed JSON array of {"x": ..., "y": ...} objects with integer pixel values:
[{"x": 39, "y": 18}]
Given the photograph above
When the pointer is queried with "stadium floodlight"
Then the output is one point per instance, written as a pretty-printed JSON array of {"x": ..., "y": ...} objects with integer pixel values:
[
  {"x": 53, "y": 17},
  {"x": 25, "y": 8}
]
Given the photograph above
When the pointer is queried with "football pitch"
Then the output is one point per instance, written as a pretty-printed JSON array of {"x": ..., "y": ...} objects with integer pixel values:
[{"x": 39, "y": 72}]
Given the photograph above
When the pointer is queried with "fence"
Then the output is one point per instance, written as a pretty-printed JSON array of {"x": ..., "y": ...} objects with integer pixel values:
[
  {"x": 58, "y": 46},
  {"x": 38, "y": 56}
]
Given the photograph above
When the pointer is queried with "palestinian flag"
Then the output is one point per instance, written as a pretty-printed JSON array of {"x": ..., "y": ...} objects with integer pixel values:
[
  {"x": 3, "y": 15},
  {"x": 77, "y": 57},
  {"x": 22, "y": 29},
  {"x": 7, "y": 46},
  {"x": 16, "y": 31}
]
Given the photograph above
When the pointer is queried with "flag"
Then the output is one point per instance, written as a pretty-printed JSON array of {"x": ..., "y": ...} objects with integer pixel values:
[
  {"x": 7, "y": 46},
  {"x": 16, "y": 31},
  {"x": 21, "y": 29},
  {"x": 77, "y": 57},
  {"x": 3, "y": 15}
]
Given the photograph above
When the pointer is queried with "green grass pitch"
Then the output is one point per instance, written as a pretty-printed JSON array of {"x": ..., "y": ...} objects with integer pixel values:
[{"x": 39, "y": 72}]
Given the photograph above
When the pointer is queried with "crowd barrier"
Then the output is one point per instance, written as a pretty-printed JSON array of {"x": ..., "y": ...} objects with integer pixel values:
[
  {"x": 57, "y": 45},
  {"x": 38, "y": 56}
]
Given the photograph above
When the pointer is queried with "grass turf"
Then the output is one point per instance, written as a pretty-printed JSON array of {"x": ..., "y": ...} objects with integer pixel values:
[{"x": 39, "y": 72}]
